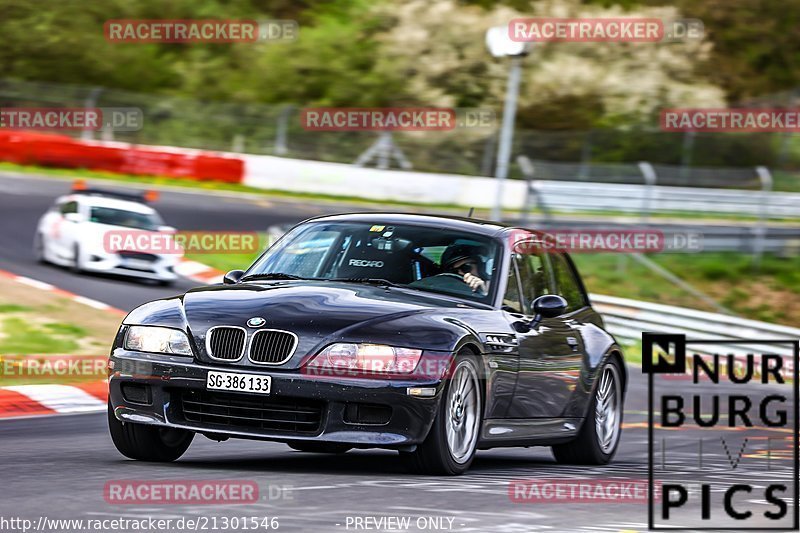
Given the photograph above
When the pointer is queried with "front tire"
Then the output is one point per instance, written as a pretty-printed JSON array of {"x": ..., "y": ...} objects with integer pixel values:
[
  {"x": 450, "y": 446},
  {"x": 38, "y": 248},
  {"x": 76, "y": 266},
  {"x": 598, "y": 438},
  {"x": 148, "y": 443}
]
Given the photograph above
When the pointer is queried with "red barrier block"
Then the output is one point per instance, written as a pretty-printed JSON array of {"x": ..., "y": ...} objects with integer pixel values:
[{"x": 60, "y": 151}]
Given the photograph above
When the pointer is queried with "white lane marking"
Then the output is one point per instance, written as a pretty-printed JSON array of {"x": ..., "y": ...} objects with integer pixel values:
[
  {"x": 188, "y": 268},
  {"x": 91, "y": 303},
  {"x": 35, "y": 283},
  {"x": 60, "y": 398}
]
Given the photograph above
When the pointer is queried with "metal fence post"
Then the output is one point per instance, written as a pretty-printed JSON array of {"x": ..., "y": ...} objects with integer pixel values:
[
  {"x": 530, "y": 190},
  {"x": 506, "y": 133},
  {"x": 488, "y": 154},
  {"x": 586, "y": 157},
  {"x": 91, "y": 101},
  {"x": 686, "y": 156},
  {"x": 649, "y": 175},
  {"x": 281, "y": 147},
  {"x": 765, "y": 177}
]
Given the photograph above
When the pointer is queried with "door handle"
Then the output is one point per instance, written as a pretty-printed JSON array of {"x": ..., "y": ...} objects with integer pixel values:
[{"x": 573, "y": 343}]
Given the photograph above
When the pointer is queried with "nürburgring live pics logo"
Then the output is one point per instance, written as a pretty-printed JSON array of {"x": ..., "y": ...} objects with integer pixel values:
[{"x": 723, "y": 444}]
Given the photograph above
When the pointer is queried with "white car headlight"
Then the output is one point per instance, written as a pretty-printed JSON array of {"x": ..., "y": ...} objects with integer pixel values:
[{"x": 157, "y": 340}]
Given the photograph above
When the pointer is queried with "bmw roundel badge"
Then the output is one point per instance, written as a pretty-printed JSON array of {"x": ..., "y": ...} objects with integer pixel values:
[{"x": 256, "y": 322}]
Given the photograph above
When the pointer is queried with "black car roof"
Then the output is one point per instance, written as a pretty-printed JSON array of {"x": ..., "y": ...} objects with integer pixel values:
[{"x": 482, "y": 227}]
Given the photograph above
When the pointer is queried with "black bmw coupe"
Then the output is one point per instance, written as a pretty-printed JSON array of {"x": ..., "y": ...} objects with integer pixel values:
[{"x": 432, "y": 336}]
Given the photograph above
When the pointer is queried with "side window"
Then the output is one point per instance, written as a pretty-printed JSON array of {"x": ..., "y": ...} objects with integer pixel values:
[
  {"x": 567, "y": 284},
  {"x": 534, "y": 277},
  {"x": 511, "y": 300},
  {"x": 68, "y": 207}
]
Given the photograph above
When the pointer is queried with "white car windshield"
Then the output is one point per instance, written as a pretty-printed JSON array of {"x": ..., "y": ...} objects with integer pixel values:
[
  {"x": 124, "y": 218},
  {"x": 423, "y": 258}
]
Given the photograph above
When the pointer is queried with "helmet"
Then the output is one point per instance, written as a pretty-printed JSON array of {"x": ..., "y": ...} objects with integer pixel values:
[{"x": 460, "y": 251}]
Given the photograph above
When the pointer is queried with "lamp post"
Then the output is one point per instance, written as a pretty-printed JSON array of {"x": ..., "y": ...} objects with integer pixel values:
[{"x": 500, "y": 45}]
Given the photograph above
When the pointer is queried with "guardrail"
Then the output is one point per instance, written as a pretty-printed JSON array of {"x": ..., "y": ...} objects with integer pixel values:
[
  {"x": 645, "y": 199},
  {"x": 658, "y": 190},
  {"x": 627, "y": 319},
  {"x": 736, "y": 236}
]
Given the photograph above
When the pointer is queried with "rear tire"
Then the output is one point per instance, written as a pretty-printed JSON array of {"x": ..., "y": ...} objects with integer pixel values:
[
  {"x": 148, "y": 443},
  {"x": 451, "y": 443},
  {"x": 320, "y": 447},
  {"x": 599, "y": 436}
]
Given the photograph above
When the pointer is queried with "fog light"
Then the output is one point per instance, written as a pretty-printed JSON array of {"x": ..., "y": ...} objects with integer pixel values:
[{"x": 136, "y": 393}]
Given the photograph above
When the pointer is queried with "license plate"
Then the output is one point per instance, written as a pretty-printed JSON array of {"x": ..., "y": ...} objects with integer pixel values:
[
  {"x": 138, "y": 263},
  {"x": 238, "y": 382}
]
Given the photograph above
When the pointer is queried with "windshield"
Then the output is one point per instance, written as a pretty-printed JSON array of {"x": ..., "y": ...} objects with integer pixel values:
[
  {"x": 127, "y": 219},
  {"x": 423, "y": 258}
]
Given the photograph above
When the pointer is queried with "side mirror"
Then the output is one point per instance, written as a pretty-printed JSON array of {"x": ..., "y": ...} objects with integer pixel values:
[
  {"x": 549, "y": 306},
  {"x": 72, "y": 217},
  {"x": 167, "y": 229},
  {"x": 232, "y": 277}
]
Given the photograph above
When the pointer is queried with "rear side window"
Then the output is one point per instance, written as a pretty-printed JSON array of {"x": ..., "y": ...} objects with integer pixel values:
[
  {"x": 567, "y": 282},
  {"x": 68, "y": 207}
]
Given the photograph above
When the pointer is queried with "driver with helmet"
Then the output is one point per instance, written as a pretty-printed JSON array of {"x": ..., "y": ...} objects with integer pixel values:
[{"x": 466, "y": 260}]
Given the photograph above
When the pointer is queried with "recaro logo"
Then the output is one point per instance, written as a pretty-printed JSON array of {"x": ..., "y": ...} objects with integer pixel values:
[{"x": 365, "y": 263}]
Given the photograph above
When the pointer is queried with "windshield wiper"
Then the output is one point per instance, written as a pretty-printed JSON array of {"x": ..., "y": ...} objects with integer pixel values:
[
  {"x": 270, "y": 275},
  {"x": 371, "y": 281}
]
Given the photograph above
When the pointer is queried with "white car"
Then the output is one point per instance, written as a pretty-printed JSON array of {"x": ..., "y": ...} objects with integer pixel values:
[{"x": 74, "y": 233}]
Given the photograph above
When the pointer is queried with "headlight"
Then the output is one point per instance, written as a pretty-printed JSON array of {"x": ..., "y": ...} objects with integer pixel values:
[
  {"x": 377, "y": 358},
  {"x": 157, "y": 340}
]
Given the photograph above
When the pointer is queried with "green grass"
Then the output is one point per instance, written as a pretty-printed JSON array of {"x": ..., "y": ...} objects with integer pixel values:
[
  {"x": 60, "y": 328},
  {"x": 229, "y": 261},
  {"x": 14, "y": 308},
  {"x": 23, "y": 337},
  {"x": 632, "y": 352},
  {"x": 786, "y": 181},
  {"x": 768, "y": 293}
]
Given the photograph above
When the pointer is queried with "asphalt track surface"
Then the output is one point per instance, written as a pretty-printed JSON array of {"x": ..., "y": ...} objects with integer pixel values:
[{"x": 57, "y": 467}]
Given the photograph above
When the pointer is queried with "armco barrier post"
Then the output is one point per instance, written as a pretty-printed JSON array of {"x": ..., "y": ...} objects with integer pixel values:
[
  {"x": 765, "y": 177},
  {"x": 91, "y": 102},
  {"x": 649, "y": 175}
]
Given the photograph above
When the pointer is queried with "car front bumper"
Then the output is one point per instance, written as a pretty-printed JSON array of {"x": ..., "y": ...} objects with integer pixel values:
[
  {"x": 363, "y": 412},
  {"x": 161, "y": 269}
]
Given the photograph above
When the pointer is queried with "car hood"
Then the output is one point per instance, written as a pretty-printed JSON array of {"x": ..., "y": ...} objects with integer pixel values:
[{"x": 318, "y": 312}]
